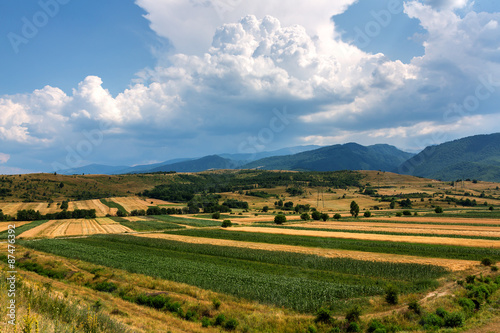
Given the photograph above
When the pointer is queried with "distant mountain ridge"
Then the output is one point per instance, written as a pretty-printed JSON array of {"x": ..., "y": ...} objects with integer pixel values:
[
  {"x": 349, "y": 156},
  {"x": 473, "y": 157}
]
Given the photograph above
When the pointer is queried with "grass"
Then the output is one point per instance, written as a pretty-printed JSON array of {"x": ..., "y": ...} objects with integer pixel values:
[
  {"x": 23, "y": 228},
  {"x": 112, "y": 204},
  {"x": 222, "y": 216},
  {"x": 187, "y": 221},
  {"x": 147, "y": 224},
  {"x": 423, "y": 250},
  {"x": 484, "y": 214},
  {"x": 383, "y": 232},
  {"x": 298, "y": 281}
]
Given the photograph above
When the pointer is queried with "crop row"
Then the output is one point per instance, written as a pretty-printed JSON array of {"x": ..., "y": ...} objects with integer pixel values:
[
  {"x": 147, "y": 224},
  {"x": 423, "y": 250},
  {"x": 187, "y": 221}
]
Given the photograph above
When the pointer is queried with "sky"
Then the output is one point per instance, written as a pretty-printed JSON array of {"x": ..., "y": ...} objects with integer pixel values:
[{"x": 123, "y": 82}]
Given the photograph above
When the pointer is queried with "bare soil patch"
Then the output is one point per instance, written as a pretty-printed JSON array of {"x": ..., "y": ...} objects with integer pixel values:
[
  {"x": 451, "y": 264},
  {"x": 376, "y": 237}
]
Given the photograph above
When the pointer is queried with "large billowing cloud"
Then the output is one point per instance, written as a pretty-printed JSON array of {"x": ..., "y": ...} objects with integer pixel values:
[{"x": 213, "y": 97}]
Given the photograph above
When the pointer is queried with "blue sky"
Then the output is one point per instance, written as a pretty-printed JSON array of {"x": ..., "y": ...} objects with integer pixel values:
[{"x": 124, "y": 82}]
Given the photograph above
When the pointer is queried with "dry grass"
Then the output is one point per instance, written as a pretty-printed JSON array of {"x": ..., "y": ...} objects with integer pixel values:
[{"x": 75, "y": 227}]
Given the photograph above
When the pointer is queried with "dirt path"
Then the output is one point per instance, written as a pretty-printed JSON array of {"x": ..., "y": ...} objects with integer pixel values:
[
  {"x": 392, "y": 238},
  {"x": 451, "y": 264}
]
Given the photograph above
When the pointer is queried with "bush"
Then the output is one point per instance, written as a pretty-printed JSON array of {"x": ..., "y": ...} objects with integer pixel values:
[
  {"x": 216, "y": 303},
  {"x": 487, "y": 262},
  {"x": 432, "y": 320},
  {"x": 441, "y": 312},
  {"x": 415, "y": 307},
  {"x": 323, "y": 316},
  {"x": 391, "y": 295},
  {"x": 367, "y": 214},
  {"x": 353, "y": 327},
  {"x": 467, "y": 304},
  {"x": 376, "y": 327},
  {"x": 325, "y": 216},
  {"x": 231, "y": 324},
  {"x": 219, "y": 320},
  {"x": 406, "y": 213},
  {"x": 336, "y": 216},
  {"x": 205, "y": 322},
  {"x": 494, "y": 268},
  {"x": 438, "y": 210},
  {"x": 399, "y": 214},
  {"x": 454, "y": 319},
  {"x": 353, "y": 314},
  {"x": 316, "y": 215},
  {"x": 226, "y": 224},
  {"x": 105, "y": 286},
  {"x": 216, "y": 215},
  {"x": 491, "y": 208},
  {"x": 304, "y": 216},
  {"x": 280, "y": 219}
]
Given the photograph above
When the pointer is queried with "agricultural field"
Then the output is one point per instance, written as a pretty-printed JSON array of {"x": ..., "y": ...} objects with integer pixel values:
[{"x": 416, "y": 272}]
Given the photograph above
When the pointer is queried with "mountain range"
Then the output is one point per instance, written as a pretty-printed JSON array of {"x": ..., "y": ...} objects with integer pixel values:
[{"x": 475, "y": 157}]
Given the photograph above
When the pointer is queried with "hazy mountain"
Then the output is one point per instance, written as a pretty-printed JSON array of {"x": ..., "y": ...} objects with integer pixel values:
[
  {"x": 280, "y": 152},
  {"x": 147, "y": 167},
  {"x": 349, "y": 156},
  {"x": 474, "y": 157},
  {"x": 93, "y": 169},
  {"x": 201, "y": 164}
]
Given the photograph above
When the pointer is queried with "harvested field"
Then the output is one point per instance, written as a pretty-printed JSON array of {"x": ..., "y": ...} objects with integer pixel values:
[
  {"x": 437, "y": 220},
  {"x": 132, "y": 203},
  {"x": 75, "y": 227},
  {"x": 407, "y": 228},
  {"x": 5, "y": 225},
  {"x": 451, "y": 264},
  {"x": 11, "y": 208},
  {"x": 100, "y": 208},
  {"x": 375, "y": 237}
]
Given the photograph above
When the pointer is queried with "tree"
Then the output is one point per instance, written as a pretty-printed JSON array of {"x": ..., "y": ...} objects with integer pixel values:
[
  {"x": 304, "y": 216},
  {"x": 491, "y": 208},
  {"x": 216, "y": 215},
  {"x": 325, "y": 216},
  {"x": 367, "y": 214},
  {"x": 64, "y": 205},
  {"x": 280, "y": 219},
  {"x": 392, "y": 204},
  {"x": 438, "y": 210},
  {"x": 391, "y": 295},
  {"x": 354, "y": 209},
  {"x": 337, "y": 216},
  {"x": 265, "y": 209},
  {"x": 226, "y": 223},
  {"x": 316, "y": 215}
]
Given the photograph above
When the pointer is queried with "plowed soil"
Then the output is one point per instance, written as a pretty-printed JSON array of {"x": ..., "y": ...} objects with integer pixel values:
[{"x": 451, "y": 264}]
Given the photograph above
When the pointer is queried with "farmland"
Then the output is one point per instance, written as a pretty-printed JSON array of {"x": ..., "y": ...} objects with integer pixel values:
[{"x": 165, "y": 260}]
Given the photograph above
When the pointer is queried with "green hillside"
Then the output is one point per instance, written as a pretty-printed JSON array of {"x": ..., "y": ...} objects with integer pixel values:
[
  {"x": 350, "y": 156},
  {"x": 474, "y": 157}
]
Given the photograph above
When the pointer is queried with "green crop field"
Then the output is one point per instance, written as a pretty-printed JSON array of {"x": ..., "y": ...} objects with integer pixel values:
[
  {"x": 23, "y": 228},
  {"x": 187, "y": 221},
  {"x": 147, "y": 224},
  {"x": 298, "y": 281},
  {"x": 423, "y": 250}
]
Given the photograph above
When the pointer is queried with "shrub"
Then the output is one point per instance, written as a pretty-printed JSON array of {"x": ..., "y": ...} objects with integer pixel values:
[
  {"x": 231, "y": 324},
  {"x": 280, "y": 219},
  {"x": 316, "y": 215},
  {"x": 226, "y": 224},
  {"x": 415, "y": 307},
  {"x": 470, "y": 279},
  {"x": 432, "y": 320},
  {"x": 406, "y": 213},
  {"x": 491, "y": 208},
  {"x": 367, "y": 214},
  {"x": 467, "y": 304},
  {"x": 454, "y": 319},
  {"x": 304, "y": 216},
  {"x": 487, "y": 262},
  {"x": 438, "y": 210},
  {"x": 205, "y": 322},
  {"x": 216, "y": 215},
  {"x": 441, "y": 312},
  {"x": 324, "y": 216},
  {"x": 353, "y": 314},
  {"x": 323, "y": 316},
  {"x": 494, "y": 268},
  {"x": 216, "y": 303},
  {"x": 391, "y": 295},
  {"x": 399, "y": 214},
  {"x": 353, "y": 327},
  {"x": 105, "y": 286},
  {"x": 376, "y": 327},
  {"x": 219, "y": 320},
  {"x": 336, "y": 216}
]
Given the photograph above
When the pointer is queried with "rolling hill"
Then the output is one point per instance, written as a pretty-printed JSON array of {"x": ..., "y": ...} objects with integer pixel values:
[
  {"x": 349, "y": 156},
  {"x": 474, "y": 157}
]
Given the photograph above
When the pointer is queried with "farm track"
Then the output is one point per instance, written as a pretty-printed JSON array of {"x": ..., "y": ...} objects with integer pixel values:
[
  {"x": 376, "y": 237},
  {"x": 451, "y": 264}
]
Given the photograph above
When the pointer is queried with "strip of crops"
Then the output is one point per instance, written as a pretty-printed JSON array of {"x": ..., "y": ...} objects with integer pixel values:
[
  {"x": 23, "y": 228},
  {"x": 187, "y": 221},
  {"x": 383, "y": 232},
  {"x": 147, "y": 225},
  {"x": 112, "y": 204},
  {"x": 423, "y": 250},
  {"x": 387, "y": 220},
  {"x": 485, "y": 214},
  {"x": 239, "y": 278}
]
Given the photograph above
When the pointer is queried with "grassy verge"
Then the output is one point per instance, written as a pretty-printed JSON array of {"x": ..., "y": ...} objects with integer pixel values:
[
  {"x": 23, "y": 228},
  {"x": 423, "y": 250}
]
